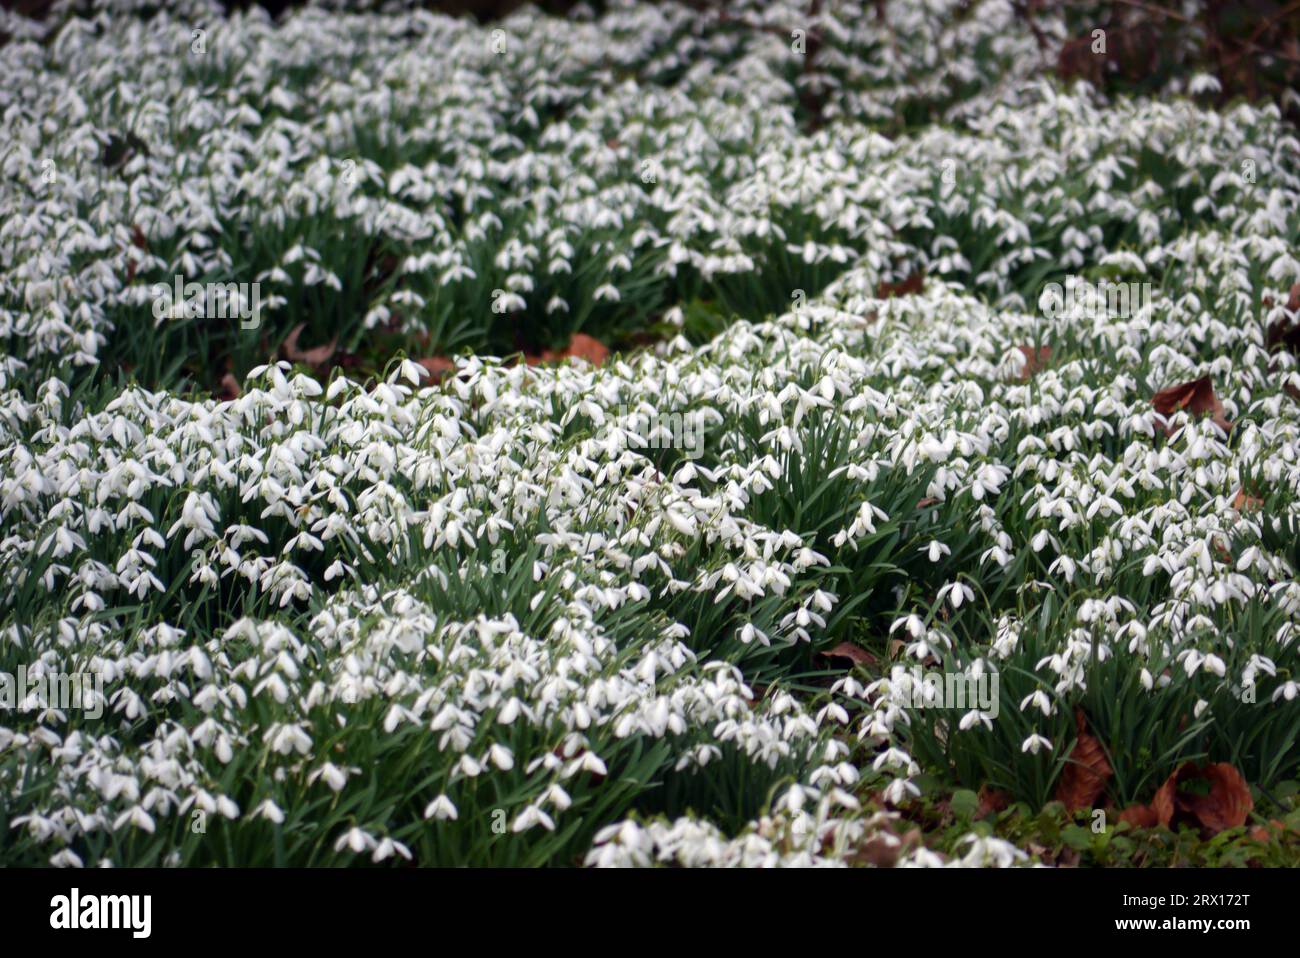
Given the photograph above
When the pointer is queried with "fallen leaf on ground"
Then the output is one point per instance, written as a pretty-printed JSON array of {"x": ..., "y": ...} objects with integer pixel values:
[
  {"x": 315, "y": 357},
  {"x": 847, "y": 650},
  {"x": 913, "y": 284},
  {"x": 1227, "y": 804},
  {"x": 992, "y": 801},
  {"x": 437, "y": 366},
  {"x": 1086, "y": 770},
  {"x": 880, "y": 850},
  {"x": 1163, "y": 805},
  {"x": 229, "y": 388},
  {"x": 588, "y": 348},
  {"x": 1035, "y": 359},
  {"x": 884, "y": 848},
  {"x": 580, "y": 346},
  {"x": 1284, "y": 332},
  {"x": 1140, "y": 816},
  {"x": 1245, "y": 502},
  {"x": 1196, "y": 397}
]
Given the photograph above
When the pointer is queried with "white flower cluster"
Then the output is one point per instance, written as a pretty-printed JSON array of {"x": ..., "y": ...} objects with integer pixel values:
[
  {"x": 788, "y": 840},
  {"x": 472, "y": 622},
  {"x": 563, "y": 168}
]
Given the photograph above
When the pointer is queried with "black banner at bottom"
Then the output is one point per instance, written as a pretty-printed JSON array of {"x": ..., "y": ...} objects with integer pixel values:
[{"x": 334, "y": 908}]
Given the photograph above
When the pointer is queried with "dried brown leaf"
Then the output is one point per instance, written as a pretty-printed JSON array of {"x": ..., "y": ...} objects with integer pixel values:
[
  {"x": 1086, "y": 771},
  {"x": 1035, "y": 359},
  {"x": 1245, "y": 502},
  {"x": 991, "y": 801},
  {"x": 1229, "y": 803},
  {"x": 884, "y": 847},
  {"x": 437, "y": 366},
  {"x": 913, "y": 284},
  {"x": 1196, "y": 397},
  {"x": 847, "y": 650},
  {"x": 315, "y": 357},
  {"x": 1140, "y": 816},
  {"x": 1285, "y": 332},
  {"x": 588, "y": 348},
  {"x": 229, "y": 388},
  {"x": 581, "y": 346}
]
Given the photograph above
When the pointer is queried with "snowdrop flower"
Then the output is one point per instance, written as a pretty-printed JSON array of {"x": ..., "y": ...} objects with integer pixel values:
[
  {"x": 355, "y": 840},
  {"x": 936, "y": 550},
  {"x": 531, "y": 817},
  {"x": 386, "y": 848},
  {"x": 441, "y": 809},
  {"x": 975, "y": 717},
  {"x": 1035, "y": 743},
  {"x": 1039, "y": 700},
  {"x": 991, "y": 852},
  {"x": 956, "y": 593},
  {"x": 270, "y": 811},
  {"x": 900, "y": 790}
]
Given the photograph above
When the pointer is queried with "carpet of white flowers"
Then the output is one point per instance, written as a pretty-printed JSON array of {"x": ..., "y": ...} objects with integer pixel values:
[{"x": 386, "y": 619}]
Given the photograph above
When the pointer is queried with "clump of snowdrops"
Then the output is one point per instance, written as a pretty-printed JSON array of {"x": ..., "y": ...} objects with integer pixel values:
[{"x": 482, "y": 621}]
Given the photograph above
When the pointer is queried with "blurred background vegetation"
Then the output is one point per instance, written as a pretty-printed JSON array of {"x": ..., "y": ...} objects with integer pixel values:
[{"x": 1251, "y": 46}]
